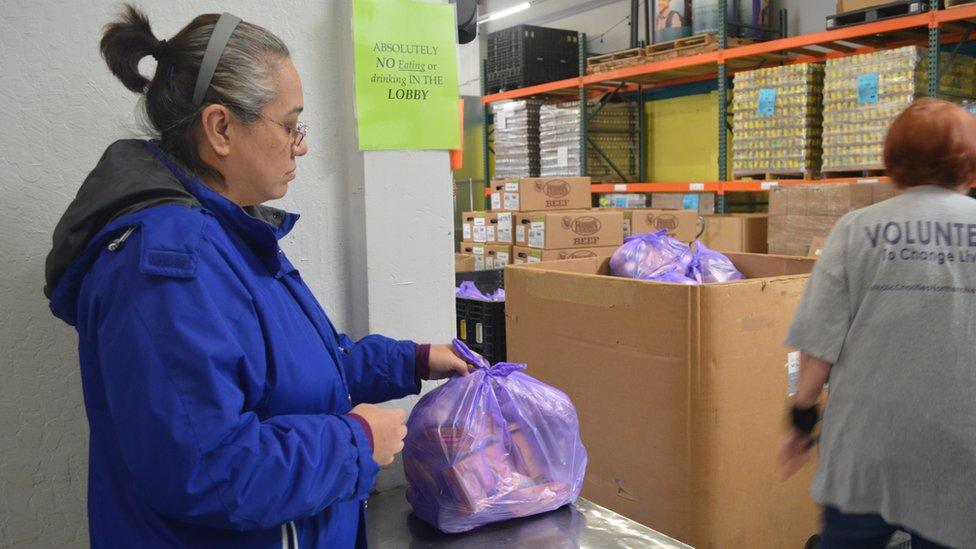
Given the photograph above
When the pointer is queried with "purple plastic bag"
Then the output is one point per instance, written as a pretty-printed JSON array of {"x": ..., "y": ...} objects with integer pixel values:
[
  {"x": 711, "y": 266},
  {"x": 491, "y": 446},
  {"x": 469, "y": 290},
  {"x": 653, "y": 256}
]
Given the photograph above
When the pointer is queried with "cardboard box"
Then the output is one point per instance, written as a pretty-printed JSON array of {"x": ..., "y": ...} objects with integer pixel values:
[
  {"x": 816, "y": 247},
  {"x": 703, "y": 203},
  {"x": 531, "y": 194},
  {"x": 571, "y": 229},
  {"x": 736, "y": 233},
  {"x": 488, "y": 256},
  {"x": 800, "y": 213},
  {"x": 487, "y": 227},
  {"x": 681, "y": 224},
  {"x": 854, "y": 5},
  {"x": 681, "y": 392},
  {"x": 522, "y": 254},
  {"x": 463, "y": 263},
  {"x": 498, "y": 193}
]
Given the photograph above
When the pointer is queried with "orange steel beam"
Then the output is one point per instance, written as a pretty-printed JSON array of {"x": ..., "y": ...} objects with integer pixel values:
[
  {"x": 955, "y": 14},
  {"x": 826, "y": 39},
  {"x": 723, "y": 187},
  {"x": 540, "y": 89},
  {"x": 651, "y": 68},
  {"x": 705, "y": 187}
]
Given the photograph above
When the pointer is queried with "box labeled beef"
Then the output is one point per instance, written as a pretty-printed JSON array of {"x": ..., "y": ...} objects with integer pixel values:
[
  {"x": 541, "y": 194},
  {"x": 522, "y": 254},
  {"x": 572, "y": 229},
  {"x": 681, "y": 224}
]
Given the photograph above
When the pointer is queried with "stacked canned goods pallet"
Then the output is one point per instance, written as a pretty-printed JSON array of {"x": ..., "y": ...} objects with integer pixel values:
[
  {"x": 613, "y": 129},
  {"x": 864, "y": 93},
  {"x": 776, "y": 115},
  {"x": 517, "y": 138}
]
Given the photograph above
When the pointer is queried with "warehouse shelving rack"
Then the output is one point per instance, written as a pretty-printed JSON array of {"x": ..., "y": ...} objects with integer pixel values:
[{"x": 934, "y": 28}]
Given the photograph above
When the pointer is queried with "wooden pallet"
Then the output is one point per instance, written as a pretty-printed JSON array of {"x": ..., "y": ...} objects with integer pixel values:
[
  {"x": 595, "y": 65},
  {"x": 615, "y": 56},
  {"x": 877, "y": 13},
  {"x": 775, "y": 176},
  {"x": 844, "y": 174},
  {"x": 662, "y": 51}
]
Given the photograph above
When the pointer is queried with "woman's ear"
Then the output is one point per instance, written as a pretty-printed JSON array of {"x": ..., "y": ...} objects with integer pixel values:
[{"x": 216, "y": 124}]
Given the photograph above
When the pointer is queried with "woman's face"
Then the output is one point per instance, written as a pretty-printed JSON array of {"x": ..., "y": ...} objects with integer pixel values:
[{"x": 262, "y": 162}]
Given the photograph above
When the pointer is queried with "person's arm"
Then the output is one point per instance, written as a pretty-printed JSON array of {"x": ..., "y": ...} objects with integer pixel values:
[
  {"x": 174, "y": 374},
  {"x": 379, "y": 369},
  {"x": 814, "y": 374},
  {"x": 819, "y": 330},
  {"x": 804, "y": 415}
]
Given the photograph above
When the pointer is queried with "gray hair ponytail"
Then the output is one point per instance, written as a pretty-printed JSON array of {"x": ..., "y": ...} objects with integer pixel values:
[{"x": 244, "y": 80}]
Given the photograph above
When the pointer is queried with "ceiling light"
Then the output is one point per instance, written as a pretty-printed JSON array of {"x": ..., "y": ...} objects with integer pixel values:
[{"x": 504, "y": 13}]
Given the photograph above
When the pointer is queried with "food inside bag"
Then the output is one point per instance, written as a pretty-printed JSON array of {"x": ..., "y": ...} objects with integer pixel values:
[
  {"x": 711, "y": 266},
  {"x": 661, "y": 258},
  {"x": 653, "y": 256},
  {"x": 491, "y": 446}
]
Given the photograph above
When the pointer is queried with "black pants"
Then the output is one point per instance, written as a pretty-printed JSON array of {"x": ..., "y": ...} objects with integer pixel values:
[{"x": 849, "y": 531}]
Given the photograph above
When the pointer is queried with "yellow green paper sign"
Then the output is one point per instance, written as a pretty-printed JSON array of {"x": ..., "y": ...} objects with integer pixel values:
[{"x": 406, "y": 75}]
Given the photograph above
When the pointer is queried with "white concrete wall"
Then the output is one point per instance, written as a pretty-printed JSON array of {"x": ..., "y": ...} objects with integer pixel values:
[{"x": 61, "y": 107}]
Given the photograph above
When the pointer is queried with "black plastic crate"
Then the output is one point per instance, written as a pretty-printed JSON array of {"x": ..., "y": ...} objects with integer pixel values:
[
  {"x": 481, "y": 324},
  {"x": 525, "y": 55}
]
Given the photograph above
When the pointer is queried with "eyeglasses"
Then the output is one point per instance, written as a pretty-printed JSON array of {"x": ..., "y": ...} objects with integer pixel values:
[{"x": 297, "y": 132}]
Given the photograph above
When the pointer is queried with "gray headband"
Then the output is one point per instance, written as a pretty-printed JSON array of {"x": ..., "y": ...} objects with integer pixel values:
[{"x": 215, "y": 48}]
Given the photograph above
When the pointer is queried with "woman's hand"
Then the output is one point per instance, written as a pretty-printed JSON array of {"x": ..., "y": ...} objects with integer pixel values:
[
  {"x": 388, "y": 430},
  {"x": 794, "y": 452},
  {"x": 444, "y": 362}
]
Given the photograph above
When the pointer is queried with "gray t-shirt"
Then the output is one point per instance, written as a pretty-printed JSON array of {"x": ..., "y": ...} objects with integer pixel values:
[{"x": 892, "y": 305}]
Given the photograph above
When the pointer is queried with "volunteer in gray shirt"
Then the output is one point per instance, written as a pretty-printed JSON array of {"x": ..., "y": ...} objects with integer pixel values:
[{"x": 889, "y": 315}]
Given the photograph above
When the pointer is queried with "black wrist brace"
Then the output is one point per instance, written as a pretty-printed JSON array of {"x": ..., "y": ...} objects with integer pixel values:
[{"x": 805, "y": 419}]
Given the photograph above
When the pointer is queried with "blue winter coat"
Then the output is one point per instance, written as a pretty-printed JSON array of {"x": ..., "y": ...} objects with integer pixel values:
[{"x": 215, "y": 385}]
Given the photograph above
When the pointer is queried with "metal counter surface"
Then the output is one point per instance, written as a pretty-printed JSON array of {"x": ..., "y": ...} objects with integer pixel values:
[{"x": 390, "y": 523}]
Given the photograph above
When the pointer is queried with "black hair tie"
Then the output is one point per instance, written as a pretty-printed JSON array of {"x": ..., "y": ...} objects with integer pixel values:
[{"x": 159, "y": 50}]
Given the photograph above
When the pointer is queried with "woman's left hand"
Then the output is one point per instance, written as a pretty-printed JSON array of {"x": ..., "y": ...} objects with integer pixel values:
[{"x": 444, "y": 362}]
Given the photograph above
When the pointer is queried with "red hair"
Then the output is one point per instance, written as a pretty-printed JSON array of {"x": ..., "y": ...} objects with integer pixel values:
[{"x": 932, "y": 142}]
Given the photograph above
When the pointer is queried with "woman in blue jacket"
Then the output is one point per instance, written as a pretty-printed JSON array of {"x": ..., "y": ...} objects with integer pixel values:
[{"x": 224, "y": 408}]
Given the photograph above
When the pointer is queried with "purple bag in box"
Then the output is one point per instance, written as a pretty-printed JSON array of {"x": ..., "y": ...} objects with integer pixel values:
[
  {"x": 653, "y": 256},
  {"x": 491, "y": 446},
  {"x": 711, "y": 266}
]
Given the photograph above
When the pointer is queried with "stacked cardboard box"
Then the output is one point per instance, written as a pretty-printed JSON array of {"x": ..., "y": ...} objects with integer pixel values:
[
  {"x": 681, "y": 224},
  {"x": 524, "y": 254},
  {"x": 703, "y": 203},
  {"x": 864, "y": 93},
  {"x": 702, "y": 374},
  {"x": 516, "y": 138},
  {"x": 798, "y": 214},
  {"x": 487, "y": 236},
  {"x": 464, "y": 263},
  {"x": 746, "y": 233},
  {"x": 563, "y": 233},
  {"x": 853, "y": 5},
  {"x": 561, "y": 203},
  {"x": 488, "y": 256},
  {"x": 776, "y": 113}
]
